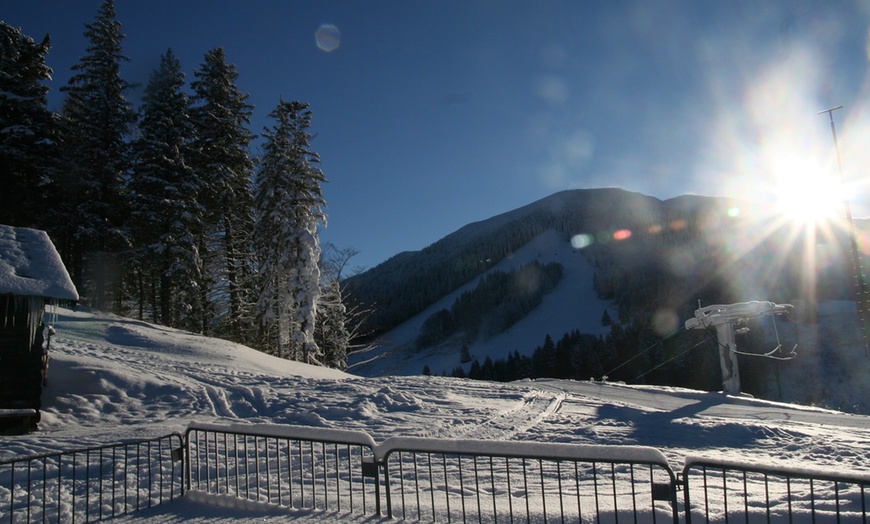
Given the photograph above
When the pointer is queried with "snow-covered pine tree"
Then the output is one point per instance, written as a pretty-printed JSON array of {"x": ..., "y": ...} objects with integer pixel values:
[
  {"x": 97, "y": 119},
  {"x": 220, "y": 115},
  {"x": 330, "y": 331},
  {"x": 335, "y": 323},
  {"x": 289, "y": 206},
  {"x": 27, "y": 130},
  {"x": 165, "y": 212}
]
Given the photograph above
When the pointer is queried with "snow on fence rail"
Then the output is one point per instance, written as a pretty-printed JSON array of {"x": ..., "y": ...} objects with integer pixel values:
[
  {"x": 734, "y": 491},
  {"x": 92, "y": 483}
]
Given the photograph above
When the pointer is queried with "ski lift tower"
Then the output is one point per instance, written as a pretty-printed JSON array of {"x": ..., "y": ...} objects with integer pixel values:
[{"x": 724, "y": 318}]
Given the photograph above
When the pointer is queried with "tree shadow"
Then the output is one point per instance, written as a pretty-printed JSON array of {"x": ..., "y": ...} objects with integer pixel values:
[{"x": 682, "y": 427}]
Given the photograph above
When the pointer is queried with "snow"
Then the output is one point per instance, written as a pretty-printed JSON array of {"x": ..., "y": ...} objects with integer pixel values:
[
  {"x": 588, "y": 452},
  {"x": 113, "y": 379},
  {"x": 573, "y": 304},
  {"x": 30, "y": 266}
]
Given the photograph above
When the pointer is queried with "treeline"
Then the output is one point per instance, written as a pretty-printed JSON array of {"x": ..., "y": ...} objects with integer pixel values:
[
  {"x": 634, "y": 355},
  {"x": 156, "y": 212},
  {"x": 408, "y": 283},
  {"x": 496, "y": 303}
]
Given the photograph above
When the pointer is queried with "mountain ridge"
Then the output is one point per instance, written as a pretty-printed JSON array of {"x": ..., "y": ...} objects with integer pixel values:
[{"x": 634, "y": 268}]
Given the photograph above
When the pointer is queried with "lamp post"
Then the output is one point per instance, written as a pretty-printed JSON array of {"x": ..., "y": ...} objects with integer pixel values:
[{"x": 860, "y": 292}]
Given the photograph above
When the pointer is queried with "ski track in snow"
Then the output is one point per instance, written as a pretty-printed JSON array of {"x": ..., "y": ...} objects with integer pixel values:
[{"x": 533, "y": 408}]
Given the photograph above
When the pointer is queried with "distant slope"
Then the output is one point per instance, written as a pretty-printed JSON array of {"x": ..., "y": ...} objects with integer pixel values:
[
  {"x": 574, "y": 304},
  {"x": 647, "y": 262}
]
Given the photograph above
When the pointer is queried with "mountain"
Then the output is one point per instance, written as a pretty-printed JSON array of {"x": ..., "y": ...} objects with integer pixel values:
[{"x": 629, "y": 270}]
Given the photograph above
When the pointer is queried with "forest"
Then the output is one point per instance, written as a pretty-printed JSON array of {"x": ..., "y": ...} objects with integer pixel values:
[{"x": 161, "y": 212}]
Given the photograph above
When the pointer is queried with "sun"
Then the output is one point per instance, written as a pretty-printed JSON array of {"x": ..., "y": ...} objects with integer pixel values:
[{"x": 806, "y": 193}]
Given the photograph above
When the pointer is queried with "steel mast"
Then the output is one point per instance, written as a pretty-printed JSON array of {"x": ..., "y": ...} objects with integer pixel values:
[{"x": 857, "y": 267}]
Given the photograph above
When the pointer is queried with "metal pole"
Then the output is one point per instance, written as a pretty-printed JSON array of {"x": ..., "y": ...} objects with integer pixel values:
[{"x": 860, "y": 291}]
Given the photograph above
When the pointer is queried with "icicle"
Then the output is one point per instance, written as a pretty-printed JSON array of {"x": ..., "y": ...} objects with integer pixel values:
[
  {"x": 51, "y": 308},
  {"x": 35, "y": 311},
  {"x": 9, "y": 312}
]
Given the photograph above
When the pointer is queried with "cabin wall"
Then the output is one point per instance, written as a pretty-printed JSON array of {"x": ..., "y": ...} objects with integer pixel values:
[{"x": 21, "y": 343}]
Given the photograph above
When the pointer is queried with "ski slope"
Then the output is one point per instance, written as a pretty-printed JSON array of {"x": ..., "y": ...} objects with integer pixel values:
[{"x": 113, "y": 378}]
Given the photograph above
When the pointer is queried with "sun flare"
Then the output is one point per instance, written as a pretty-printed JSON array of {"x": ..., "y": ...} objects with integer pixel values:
[{"x": 807, "y": 194}]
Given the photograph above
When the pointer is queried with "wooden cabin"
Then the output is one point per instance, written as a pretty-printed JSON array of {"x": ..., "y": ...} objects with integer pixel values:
[{"x": 32, "y": 276}]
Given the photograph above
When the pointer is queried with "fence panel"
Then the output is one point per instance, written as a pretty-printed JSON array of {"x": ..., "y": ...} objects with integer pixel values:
[
  {"x": 485, "y": 481},
  {"x": 291, "y": 466},
  {"x": 731, "y": 491},
  {"x": 92, "y": 483}
]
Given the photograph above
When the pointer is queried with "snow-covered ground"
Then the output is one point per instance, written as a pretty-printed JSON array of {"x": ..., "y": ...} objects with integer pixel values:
[{"x": 112, "y": 379}]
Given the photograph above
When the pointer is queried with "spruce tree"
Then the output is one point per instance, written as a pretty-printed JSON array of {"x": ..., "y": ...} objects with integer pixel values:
[
  {"x": 220, "y": 115},
  {"x": 97, "y": 119},
  {"x": 166, "y": 213},
  {"x": 289, "y": 207},
  {"x": 27, "y": 129}
]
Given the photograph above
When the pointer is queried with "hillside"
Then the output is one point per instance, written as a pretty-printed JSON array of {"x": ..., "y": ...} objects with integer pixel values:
[
  {"x": 633, "y": 269},
  {"x": 112, "y": 379}
]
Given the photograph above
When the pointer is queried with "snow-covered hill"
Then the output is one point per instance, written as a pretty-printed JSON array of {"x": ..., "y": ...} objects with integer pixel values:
[
  {"x": 113, "y": 378},
  {"x": 574, "y": 304},
  {"x": 672, "y": 256}
]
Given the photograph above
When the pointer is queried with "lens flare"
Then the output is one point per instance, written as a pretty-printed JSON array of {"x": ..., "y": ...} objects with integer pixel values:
[
  {"x": 581, "y": 241},
  {"x": 328, "y": 38},
  {"x": 665, "y": 322},
  {"x": 622, "y": 234}
]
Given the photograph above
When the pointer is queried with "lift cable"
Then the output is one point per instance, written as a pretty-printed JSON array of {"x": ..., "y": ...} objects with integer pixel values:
[
  {"x": 708, "y": 338},
  {"x": 645, "y": 351}
]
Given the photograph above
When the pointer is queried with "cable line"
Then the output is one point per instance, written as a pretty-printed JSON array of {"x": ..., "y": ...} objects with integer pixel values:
[
  {"x": 644, "y": 352},
  {"x": 672, "y": 358}
]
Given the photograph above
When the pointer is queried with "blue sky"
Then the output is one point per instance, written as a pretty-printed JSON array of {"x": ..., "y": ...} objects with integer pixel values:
[{"x": 430, "y": 115}]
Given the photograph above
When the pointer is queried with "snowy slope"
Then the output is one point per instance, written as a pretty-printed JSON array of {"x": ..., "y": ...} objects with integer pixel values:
[
  {"x": 113, "y": 378},
  {"x": 831, "y": 368},
  {"x": 573, "y": 304}
]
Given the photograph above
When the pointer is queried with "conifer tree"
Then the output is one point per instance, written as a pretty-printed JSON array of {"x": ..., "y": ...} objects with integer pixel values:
[
  {"x": 97, "y": 120},
  {"x": 27, "y": 129},
  {"x": 220, "y": 115},
  {"x": 166, "y": 214},
  {"x": 289, "y": 206}
]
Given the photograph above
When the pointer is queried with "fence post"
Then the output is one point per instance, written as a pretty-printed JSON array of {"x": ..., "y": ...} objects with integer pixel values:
[
  {"x": 370, "y": 469},
  {"x": 683, "y": 480}
]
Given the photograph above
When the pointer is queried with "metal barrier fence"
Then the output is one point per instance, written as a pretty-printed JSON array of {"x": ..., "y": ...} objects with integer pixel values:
[
  {"x": 421, "y": 480},
  {"x": 296, "y": 467},
  {"x": 731, "y": 491},
  {"x": 485, "y": 481},
  {"x": 92, "y": 483}
]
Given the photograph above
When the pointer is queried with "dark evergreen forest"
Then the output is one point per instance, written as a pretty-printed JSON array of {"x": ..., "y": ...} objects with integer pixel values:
[{"x": 153, "y": 209}]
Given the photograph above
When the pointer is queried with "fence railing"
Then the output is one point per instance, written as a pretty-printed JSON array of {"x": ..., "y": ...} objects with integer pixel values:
[
  {"x": 485, "y": 481},
  {"x": 734, "y": 491},
  {"x": 292, "y": 466},
  {"x": 421, "y": 480},
  {"x": 92, "y": 483}
]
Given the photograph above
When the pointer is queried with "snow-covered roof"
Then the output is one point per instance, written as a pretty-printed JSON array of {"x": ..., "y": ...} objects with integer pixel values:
[{"x": 31, "y": 266}]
